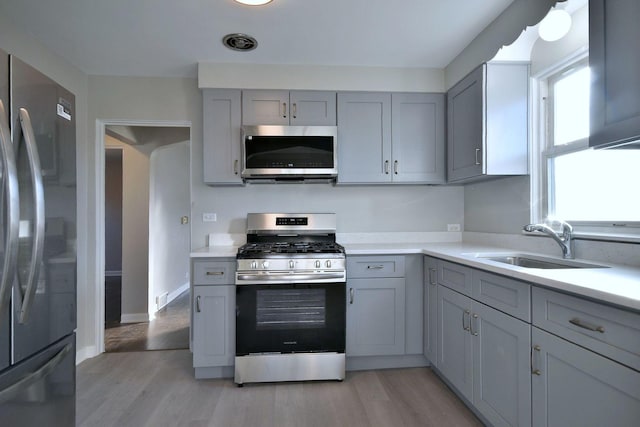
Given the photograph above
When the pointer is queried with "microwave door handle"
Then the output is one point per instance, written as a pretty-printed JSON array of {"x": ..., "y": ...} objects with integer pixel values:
[
  {"x": 38, "y": 200},
  {"x": 10, "y": 197}
]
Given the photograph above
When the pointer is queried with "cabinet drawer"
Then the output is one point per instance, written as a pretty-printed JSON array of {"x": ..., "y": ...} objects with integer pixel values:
[
  {"x": 610, "y": 331},
  {"x": 382, "y": 266},
  {"x": 213, "y": 272},
  {"x": 510, "y": 296},
  {"x": 455, "y": 276}
]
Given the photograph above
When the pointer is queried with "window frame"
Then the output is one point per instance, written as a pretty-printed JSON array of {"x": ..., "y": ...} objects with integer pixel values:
[{"x": 544, "y": 150}]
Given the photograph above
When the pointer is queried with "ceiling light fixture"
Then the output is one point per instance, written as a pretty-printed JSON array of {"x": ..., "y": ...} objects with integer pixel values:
[
  {"x": 253, "y": 2},
  {"x": 555, "y": 25}
]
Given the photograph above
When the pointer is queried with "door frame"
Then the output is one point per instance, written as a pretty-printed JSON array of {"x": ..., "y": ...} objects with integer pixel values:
[{"x": 99, "y": 270}]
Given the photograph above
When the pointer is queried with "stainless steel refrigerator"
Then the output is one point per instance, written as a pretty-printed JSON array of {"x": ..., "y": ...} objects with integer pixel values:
[{"x": 37, "y": 248}]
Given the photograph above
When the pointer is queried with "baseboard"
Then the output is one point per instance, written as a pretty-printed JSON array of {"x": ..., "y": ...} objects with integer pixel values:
[
  {"x": 361, "y": 363},
  {"x": 134, "y": 317},
  {"x": 113, "y": 273},
  {"x": 174, "y": 294},
  {"x": 86, "y": 353}
]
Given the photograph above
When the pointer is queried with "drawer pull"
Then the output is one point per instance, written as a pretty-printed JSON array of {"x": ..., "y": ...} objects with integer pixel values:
[
  {"x": 198, "y": 304},
  {"x": 474, "y": 333},
  {"x": 534, "y": 370},
  {"x": 584, "y": 325},
  {"x": 350, "y": 295},
  {"x": 432, "y": 271},
  {"x": 215, "y": 273},
  {"x": 375, "y": 267}
]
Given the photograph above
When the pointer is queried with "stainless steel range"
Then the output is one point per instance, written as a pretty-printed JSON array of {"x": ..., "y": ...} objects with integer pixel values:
[{"x": 290, "y": 300}]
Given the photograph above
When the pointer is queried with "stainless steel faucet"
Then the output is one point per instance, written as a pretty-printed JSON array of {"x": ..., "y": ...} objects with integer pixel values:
[{"x": 564, "y": 239}]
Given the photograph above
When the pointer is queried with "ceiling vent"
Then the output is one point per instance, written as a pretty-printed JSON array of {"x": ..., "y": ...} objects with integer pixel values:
[{"x": 240, "y": 42}]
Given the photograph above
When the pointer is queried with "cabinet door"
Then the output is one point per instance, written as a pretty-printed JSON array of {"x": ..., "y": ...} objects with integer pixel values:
[
  {"x": 454, "y": 340},
  {"x": 501, "y": 367},
  {"x": 364, "y": 137},
  {"x": 221, "y": 136},
  {"x": 375, "y": 317},
  {"x": 214, "y": 324},
  {"x": 465, "y": 126},
  {"x": 614, "y": 59},
  {"x": 418, "y": 142},
  {"x": 265, "y": 107},
  {"x": 430, "y": 327},
  {"x": 313, "y": 108},
  {"x": 576, "y": 387}
]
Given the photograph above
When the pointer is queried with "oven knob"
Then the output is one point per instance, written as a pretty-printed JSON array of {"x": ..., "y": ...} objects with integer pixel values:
[
  {"x": 328, "y": 263},
  {"x": 317, "y": 264},
  {"x": 265, "y": 264},
  {"x": 254, "y": 265},
  {"x": 291, "y": 264}
]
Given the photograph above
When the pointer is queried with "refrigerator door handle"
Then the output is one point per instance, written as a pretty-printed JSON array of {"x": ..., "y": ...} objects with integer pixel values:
[
  {"x": 12, "y": 206},
  {"x": 38, "y": 199},
  {"x": 16, "y": 388}
]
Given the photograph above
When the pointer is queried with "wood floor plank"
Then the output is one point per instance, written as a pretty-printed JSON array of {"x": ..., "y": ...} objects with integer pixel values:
[{"x": 157, "y": 388}]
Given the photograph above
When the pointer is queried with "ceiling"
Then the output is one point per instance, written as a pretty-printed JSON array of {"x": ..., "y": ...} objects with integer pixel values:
[{"x": 168, "y": 37}]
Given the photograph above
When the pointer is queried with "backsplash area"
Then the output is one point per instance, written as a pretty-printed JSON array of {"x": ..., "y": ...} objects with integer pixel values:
[{"x": 607, "y": 252}]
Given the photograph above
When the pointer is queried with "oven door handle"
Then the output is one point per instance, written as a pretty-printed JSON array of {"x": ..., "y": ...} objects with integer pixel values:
[{"x": 288, "y": 277}]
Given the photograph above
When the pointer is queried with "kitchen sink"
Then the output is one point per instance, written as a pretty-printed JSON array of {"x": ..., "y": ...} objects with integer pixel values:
[{"x": 536, "y": 261}]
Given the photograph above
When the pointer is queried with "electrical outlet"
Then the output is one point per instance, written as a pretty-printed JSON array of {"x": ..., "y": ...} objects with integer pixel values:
[
  {"x": 453, "y": 227},
  {"x": 209, "y": 217}
]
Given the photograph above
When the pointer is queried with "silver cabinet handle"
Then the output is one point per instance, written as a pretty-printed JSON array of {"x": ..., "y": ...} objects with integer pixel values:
[
  {"x": 395, "y": 167},
  {"x": 477, "y": 152},
  {"x": 215, "y": 273},
  {"x": 375, "y": 267},
  {"x": 12, "y": 203},
  {"x": 386, "y": 167},
  {"x": 235, "y": 167},
  {"x": 284, "y": 110},
  {"x": 585, "y": 325},
  {"x": 19, "y": 387},
  {"x": 198, "y": 304},
  {"x": 464, "y": 325},
  {"x": 431, "y": 273},
  {"x": 295, "y": 110},
  {"x": 351, "y": 295},
  {"x": 38, "y": 199},
  {"x": 474, "y": 333},
  {"x": 534, "y": 370}
]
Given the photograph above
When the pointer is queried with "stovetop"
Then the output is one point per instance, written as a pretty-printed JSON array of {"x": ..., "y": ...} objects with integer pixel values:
[{"x": 289, "y": 249}]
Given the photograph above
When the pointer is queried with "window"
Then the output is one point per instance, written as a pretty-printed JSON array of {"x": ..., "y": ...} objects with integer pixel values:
[{"x": 594, "y": 190}]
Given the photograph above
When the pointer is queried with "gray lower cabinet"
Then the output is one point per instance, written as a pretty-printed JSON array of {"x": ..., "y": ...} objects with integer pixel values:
[
  {"x": 573, "y": 386},
  {"x": 430, "y": 303},
  {"x": 214, "y": 318},
  {"x": 283, "y": 107},
  {"x": 221, "y": 136},
  {"x": 375, "y": 317},
  {"x": 614, "y": 60},
  {"x": 376, "y": 306},
  {"x": 487, "y": 123},
  {"x": 391, "y": 138},
  {"x": 483, "y": 352}
]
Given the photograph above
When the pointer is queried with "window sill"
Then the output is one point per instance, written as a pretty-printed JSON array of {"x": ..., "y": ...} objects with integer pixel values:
[{"x": 607, "y": 237}]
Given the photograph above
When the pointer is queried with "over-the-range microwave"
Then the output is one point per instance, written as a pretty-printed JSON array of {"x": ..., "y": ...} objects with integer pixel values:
[{"x": 289, "y": 153}]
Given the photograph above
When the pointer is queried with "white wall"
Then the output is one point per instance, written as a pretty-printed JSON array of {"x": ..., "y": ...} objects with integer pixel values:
[
  {"x": 21, "y": 44},
  {"x": 169, "y": 239}
]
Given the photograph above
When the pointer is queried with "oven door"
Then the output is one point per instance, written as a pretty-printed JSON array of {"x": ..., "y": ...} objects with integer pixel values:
[{"x": 290, "y": 318}]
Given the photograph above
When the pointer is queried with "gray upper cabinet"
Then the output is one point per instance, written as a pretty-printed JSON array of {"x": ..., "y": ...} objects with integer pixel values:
[
  {"x": 221, "y": 134},
  {"x": 364, "y": 137},
  {"x": 391, "y": 138},
  {"x": 614, "y": 59},
  {"x": 487, "y": 123},
  {"x": 283, "y": 107},
  {"x": 417, "y": 137}
]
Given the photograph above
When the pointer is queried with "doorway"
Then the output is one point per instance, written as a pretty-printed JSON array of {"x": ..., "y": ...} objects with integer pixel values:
[{"x": 146, "y": 250}]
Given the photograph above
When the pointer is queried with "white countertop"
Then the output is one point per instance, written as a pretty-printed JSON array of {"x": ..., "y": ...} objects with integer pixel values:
[{"x": 617, "y": 284}]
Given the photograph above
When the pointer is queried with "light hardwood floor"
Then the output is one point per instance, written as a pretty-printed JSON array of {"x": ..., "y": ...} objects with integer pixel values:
[{"x": 157, "y": 388}]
